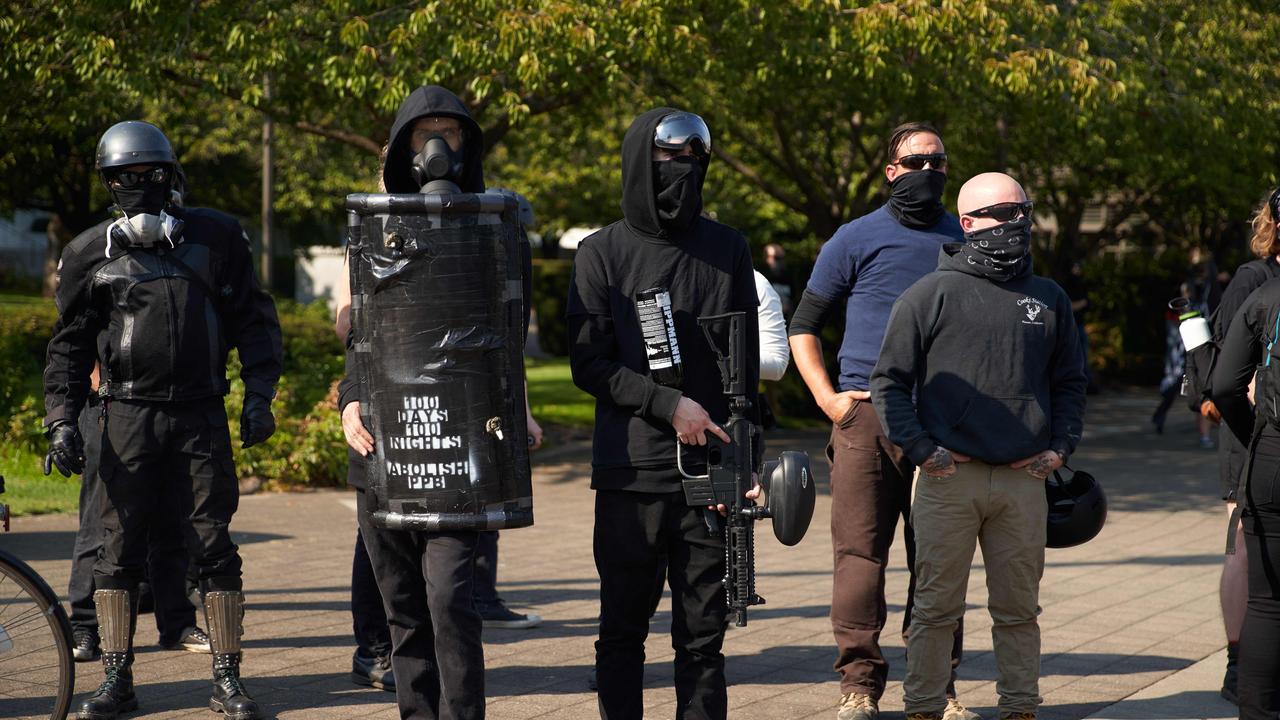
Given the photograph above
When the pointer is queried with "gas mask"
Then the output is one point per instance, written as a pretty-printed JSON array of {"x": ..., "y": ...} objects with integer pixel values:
[{"x": 437, "y": 168}]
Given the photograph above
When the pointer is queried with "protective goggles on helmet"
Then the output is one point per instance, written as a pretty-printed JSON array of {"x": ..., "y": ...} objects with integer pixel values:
[
  {"x": 1004, "y": 212},
  {"x": 130, "y": 178},
  {"x": 937, "y": 161},
  {"x": 681, "y": 128}
]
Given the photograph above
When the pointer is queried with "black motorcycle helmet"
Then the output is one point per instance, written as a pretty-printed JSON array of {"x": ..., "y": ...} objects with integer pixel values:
[
  {"x": 134, "y": 142},
  {"x": 1077, "y": 509}
]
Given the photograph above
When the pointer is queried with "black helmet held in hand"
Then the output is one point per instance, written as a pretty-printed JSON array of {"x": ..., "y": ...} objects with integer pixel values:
[{"x": 1077, "y": 509}]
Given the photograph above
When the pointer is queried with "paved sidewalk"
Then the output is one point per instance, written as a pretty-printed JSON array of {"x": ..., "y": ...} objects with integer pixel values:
[{"x": 1130, "y": 615}]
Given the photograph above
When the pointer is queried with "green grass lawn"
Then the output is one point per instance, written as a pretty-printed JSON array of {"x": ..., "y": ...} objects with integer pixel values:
[
  {"x": 554, "y": 398},
  {"x": 28, "y": 492}
]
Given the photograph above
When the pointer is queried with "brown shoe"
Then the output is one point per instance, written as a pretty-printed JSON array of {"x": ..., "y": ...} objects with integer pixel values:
[
  {"x": 858, "y": 706},
  {"x": 956, "y": 711}
]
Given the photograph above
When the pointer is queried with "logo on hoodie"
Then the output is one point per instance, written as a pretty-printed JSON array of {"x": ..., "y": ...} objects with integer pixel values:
[{"x": 1033, "y": 308}]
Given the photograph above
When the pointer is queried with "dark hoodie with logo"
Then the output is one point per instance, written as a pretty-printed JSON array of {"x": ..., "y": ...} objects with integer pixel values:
[
  {"x": 707, "y": 269},
  {"x": 996, "y": 366},
  {"x": 397, "y": 177}
]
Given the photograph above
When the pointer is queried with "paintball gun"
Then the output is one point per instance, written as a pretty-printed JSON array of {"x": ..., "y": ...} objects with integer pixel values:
[{"x": 787, "y": 483}]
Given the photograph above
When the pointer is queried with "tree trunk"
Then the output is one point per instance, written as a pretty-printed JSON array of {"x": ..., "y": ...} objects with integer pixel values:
[{"x": 59, "y": 236}]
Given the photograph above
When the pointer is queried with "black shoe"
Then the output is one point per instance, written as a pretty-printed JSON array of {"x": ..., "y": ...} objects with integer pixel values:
[
  {"x": 193, "y": 640},
  {"x": 591, "y": 680},
  {"x": 373, "y": 672},
  {"x": 500, "y": 616},
  {"x": 1228, "y": 691},
  {"x": 114, "y": 695},
  {"x": 85, "y": 646},
  {"x": 229, "y": 696}
]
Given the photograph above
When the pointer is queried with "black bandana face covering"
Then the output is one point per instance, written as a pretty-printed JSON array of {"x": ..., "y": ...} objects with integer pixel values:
[
  {"x": 915, "y": 198},
  {"x": 678, "y": 183},
  {"x": 144, "y": 199},
  {"x": 999, "y": 252}
]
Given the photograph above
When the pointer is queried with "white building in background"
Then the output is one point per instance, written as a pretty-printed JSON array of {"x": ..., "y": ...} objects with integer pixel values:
[
  {"x": 23, "y": 243},
  {"x": 317, "y": 274}
]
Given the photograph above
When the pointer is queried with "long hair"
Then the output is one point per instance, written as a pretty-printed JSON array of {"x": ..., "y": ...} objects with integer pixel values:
[{"x": 1265, "y": 243}]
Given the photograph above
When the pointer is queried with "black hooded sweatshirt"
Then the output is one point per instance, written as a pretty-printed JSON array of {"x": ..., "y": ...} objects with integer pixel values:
[
  {"x": 996, "y": 367},
  {"x": 397, "y": 177},
  {"x": 397, "y": 172},
  {"x": 706, "y": 267}
]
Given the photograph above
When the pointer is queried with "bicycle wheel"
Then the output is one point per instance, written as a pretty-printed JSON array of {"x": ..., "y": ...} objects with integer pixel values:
[{"x": 37, "y": 674}]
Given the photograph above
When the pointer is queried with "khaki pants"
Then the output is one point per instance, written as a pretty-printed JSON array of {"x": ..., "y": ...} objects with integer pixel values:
[{"x": 1005, "y": 510}]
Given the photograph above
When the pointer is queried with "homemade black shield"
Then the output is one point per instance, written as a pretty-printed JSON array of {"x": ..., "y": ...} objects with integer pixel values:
[{"x": 438, "y": 319}]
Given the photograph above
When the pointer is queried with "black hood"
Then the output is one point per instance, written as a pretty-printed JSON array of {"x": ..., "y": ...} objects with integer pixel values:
[
  {"x": 638, "y": 204},
  {"x": 397, "y": 175}
]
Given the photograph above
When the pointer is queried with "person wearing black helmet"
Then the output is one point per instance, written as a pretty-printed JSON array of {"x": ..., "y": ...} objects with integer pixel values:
[
  {"x": 664, "y": 250},
  {"x": 981, "y": 382},
  {"x": 158, "y": 298},
  {"x": 1251, "y": 336}
]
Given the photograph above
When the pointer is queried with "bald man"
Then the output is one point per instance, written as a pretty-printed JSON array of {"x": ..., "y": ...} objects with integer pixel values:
[{"x": 991, "y": 353}]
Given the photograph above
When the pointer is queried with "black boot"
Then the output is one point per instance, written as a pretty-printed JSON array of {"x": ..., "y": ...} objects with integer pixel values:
[
  {"x": 224, "y": 611},
  {"x": 115, "y": 694},
  {"x": 116, "y": 613},
  {"x": 1229, "y": 679},
  {"x": 229, "y": 696}
]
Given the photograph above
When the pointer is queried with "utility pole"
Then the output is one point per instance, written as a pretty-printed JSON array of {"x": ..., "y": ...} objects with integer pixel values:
[{"x": 268, "y": 182}]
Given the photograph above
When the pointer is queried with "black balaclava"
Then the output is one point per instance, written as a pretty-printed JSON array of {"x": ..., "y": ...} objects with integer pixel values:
[
  {"x": 915, "y": 198},
  {"x": 1000, "y": 252},
  {"x": 147, "y": 198},
  {"x": 678, "y": 186}
]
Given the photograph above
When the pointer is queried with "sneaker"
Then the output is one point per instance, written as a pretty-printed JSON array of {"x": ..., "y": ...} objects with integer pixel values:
[
  {"x": 84, "y": 645},
  {"x": 500, "y": 616},
  {"x": 373, "y": 672},
  {"x": 193, "y": 640},
  {"x": 956, "y": 711},
  {"x": 860, "y": 706}
]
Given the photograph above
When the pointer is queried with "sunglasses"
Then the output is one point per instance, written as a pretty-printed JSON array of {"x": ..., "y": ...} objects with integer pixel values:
[
  {"x": 938, "y": 161},
  {"x": 1004, "y": 212},
  {"x": 131, "y": 179}
]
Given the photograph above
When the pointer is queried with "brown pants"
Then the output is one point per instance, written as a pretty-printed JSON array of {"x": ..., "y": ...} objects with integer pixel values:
[{"x": 870, "y": 489}]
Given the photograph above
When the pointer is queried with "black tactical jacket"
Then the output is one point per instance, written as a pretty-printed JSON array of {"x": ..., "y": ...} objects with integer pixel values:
[{"x": 160, "y": 320}]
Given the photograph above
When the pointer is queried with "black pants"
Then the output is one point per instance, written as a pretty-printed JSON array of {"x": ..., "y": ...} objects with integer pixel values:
[
  {"x": 368, "y": 617},
  {"x": 426, "y": 584},
  {"x": 167, "y": 559},
  {"x": 486, "y": 585},
  {"x": 160, "y": 456},
  {"x": 633, "y": 533},
  {"x": 1259, "y": 683}
]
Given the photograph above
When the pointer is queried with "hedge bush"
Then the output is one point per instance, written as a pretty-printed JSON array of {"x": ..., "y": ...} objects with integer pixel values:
[
  {"x": 550, "y": 297},
  {"x": 308, "y": 447}
]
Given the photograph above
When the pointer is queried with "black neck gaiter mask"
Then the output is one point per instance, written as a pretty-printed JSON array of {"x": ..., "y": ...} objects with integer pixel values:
[
  {"x": 678, "y": 183},
  {"x": 144, "y": 199},
  {"x": 1001, "y": 252},
  {"x": 915, "y": 198}
]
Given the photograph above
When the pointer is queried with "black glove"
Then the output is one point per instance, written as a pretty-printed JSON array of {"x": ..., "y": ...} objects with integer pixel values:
[
  {"x": 66, "y": 449},
  {"x": 256, "y": 421}
]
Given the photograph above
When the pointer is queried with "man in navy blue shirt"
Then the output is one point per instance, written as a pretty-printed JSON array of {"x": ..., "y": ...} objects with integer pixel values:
[{"x": 865, "y": 266}]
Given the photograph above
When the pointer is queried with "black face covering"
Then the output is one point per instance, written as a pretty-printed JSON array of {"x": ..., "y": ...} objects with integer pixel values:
[
  {"x": 1000, "y": 252},
  {"x": 915, "y": 198},
  {"x": 678, "y": 183},
  {"x": 143, "y": 199}
]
